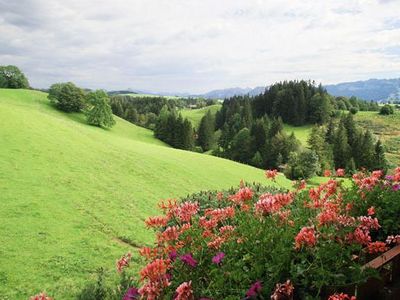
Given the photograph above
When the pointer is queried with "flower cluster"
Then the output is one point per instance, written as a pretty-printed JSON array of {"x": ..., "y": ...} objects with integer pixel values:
[
  {"x": 41, "y": 296},
  {"x": 123, "y": 262},
  {"x": 283, "y": 291},
  {"x": 271, "y": 174},
  {"x": 341, "y": 296},
  {"x": 201, "y": 240},
  {"x": 306, "y": 237}
]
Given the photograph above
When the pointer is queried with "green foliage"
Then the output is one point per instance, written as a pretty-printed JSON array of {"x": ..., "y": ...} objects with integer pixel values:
[
  {"x": 11, "y": 77},
  {"x": 353, "y": 110},
  {"x": 69, "y": 191},
  {"x": 341, "y": 148},
  {"x": 67, "y": 97},
  {"x": 302, "y": 165},
  {"x": 386, "y": 110},
  {"x": 174, "y": 130},
  {"x": 100, "y": 114},
  {"x": 206, "y": 132},
  {"x": 241, "y": 148},
  {"x": 237, "y": 237}
]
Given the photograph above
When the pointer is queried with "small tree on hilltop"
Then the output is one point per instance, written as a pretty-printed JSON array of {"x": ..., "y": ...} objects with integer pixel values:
[
  {"x": 100, "y": 114},
  {"x": 12, "y": 78},
  {"x": 67, "y": 97}
]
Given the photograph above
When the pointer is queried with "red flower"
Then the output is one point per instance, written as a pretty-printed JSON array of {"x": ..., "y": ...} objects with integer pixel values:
[
  {"x": 186, "y": 210},
  {"x": 41, "y": 296},
  {"x": 341, "y": 296},
  {"x": 283, "y": 291},
  {"x": 156, "y": 222},
  {"x": 155, "y": 270},
  {"x": 148, "y": 252},
  {"x": 371, "y": 211},
  {"x": 376, "y": 247},
  {"x": 306, "y": 237},
  {"x": 123, "y": 262},
  {"x": 327, "y": 173},
  {"x": 242, "y": 195},
  {"x": 271, "y": 174},
  {"x": 340, "y": 172},
  {"x": 184, "y": 291}
]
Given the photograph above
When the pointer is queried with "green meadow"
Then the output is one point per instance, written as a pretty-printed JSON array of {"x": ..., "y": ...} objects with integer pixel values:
[
  {"x": 195, "y": 115},
  {"x": 74, "y": 197}
]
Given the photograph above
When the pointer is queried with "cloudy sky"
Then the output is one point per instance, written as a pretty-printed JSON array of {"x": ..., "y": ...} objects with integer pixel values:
[{"x": 196, "y": 46}]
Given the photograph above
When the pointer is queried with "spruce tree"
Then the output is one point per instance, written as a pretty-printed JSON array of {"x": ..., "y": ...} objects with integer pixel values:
[
  {"x": 368, "y": 151},
  {"x": 187, "y": 137},
  {"x": 341, "y": 148},
  {"x": 100, "y": 114},
  {"x": 206, "y": 132},
  {"x": 380, "y": 162}
]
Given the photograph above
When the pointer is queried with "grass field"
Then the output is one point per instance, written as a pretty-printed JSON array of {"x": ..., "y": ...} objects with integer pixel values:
[
  {"x": 71, "y": 194},
  {"x": 301, "y": 132},
  {"x": 195, "y": 115},
  {"x": 387, "y": 128}
]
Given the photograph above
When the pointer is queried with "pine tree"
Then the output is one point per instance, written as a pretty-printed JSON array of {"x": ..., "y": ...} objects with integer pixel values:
[
  {"x": 247, "y": 116},
  {"x": 101, "y": 114},
  {"x": 341, "y": 148},
  {"x": 117, "y": 109},
  {"x": 330, "y": 132},
  {"x": 257, "y": 160},
  {"x": 349, "y": 124},
  {"x": 187, "y": 138},
  {"x": 380, "y": 162},
  {"x": 368, "y": 151},
  {"x": 206, "y": 132},
  {"x": 241, "y": 149}
]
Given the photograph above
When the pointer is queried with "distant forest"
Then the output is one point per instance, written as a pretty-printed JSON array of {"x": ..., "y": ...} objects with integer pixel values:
[{"x": 250, "y": 129}]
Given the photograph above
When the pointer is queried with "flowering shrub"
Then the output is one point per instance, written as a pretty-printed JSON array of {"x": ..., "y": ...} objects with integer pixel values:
[{"x": 244, "y": 243}]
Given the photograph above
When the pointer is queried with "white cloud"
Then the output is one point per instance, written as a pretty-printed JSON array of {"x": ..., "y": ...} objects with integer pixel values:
[{"x": 196, "y": 46}]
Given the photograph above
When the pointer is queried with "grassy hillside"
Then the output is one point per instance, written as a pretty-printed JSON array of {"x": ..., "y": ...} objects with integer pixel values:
[
  {"x": 195, "y": 115},
  {"x": 387, "y": 128},
  {"x": 71, "y": 193}
]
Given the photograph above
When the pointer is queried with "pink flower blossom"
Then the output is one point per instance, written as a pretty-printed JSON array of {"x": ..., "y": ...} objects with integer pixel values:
[
  {"x": 217, "y": 259},
  {"x": 188, "y": 260},
  {"x": 340, "y": 172},
  {"x": 255, "y": 289},
  {"x": 184, "y": 291}
]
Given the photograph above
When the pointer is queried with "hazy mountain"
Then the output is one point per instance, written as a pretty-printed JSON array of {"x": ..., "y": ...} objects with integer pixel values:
[
  {"x": 372, "y": 89},
  {"x": 230, "y": 92}
]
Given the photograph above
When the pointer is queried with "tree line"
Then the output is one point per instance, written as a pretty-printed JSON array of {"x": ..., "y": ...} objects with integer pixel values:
[
  {"x": 250, "y": 130},
  {"x": 95, "y": 104},
  {"x": 144, "y": 111}
]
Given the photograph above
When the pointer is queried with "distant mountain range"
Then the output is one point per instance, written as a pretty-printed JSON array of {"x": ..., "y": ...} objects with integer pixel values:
[{"x": 372, "y": 89}]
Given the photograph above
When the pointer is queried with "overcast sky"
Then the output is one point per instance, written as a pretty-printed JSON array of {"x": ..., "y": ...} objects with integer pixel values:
[{"x": 197, "y": 46}]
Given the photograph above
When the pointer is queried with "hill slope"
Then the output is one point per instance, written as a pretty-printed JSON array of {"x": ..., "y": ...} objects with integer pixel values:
[{"x": 71, "y": 193}]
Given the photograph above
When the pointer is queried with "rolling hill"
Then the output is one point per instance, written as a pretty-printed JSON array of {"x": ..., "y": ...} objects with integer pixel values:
[{"x": 74, "y": 197}]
